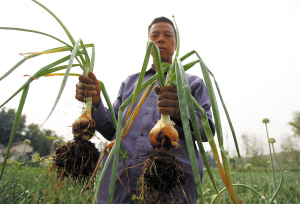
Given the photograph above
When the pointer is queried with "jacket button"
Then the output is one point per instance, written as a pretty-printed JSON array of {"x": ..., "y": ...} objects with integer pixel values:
[{"x": 142, "y": 134}]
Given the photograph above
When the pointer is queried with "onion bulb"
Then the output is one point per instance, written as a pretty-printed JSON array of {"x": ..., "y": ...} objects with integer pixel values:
[
  {"x": 163, "y": 136},
  {"x": 84, "y": 127}
]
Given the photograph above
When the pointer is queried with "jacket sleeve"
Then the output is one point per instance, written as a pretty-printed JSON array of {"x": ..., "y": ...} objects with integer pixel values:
[{"x": 103, "y": 118}]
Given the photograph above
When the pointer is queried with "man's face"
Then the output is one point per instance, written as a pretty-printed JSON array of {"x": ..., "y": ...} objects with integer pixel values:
[{"x": 163, "y": 35}]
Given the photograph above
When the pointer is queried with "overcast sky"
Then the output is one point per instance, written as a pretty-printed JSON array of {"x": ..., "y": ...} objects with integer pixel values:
[{"x": 252, "y": 47}]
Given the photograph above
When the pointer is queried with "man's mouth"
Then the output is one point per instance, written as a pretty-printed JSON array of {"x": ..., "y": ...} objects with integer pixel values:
[{"x": 162, "y": 48}]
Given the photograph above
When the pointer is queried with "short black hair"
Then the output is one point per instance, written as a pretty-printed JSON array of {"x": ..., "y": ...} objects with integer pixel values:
[{"x": 162, "y": 19}]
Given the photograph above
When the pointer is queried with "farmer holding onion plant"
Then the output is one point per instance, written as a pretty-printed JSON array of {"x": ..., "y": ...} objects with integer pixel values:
[{"x": 160, "y": 102}]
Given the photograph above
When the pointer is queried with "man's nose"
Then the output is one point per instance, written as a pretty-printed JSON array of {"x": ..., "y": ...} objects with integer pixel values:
[{"x": 161, "y": 39}]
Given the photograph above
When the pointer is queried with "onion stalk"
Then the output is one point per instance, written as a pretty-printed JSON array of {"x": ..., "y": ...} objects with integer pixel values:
[
  {"x": 163, "y": 136},
  {"x": 84, "y": 126}
]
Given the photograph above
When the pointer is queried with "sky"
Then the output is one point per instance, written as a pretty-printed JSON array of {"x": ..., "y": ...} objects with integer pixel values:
[{"x": 252, "y": 48}]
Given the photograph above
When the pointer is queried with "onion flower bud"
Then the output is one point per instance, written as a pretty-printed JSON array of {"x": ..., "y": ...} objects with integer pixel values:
[
  {"x": 27, "y": 141},
  {"x": 272, "y": 140}
]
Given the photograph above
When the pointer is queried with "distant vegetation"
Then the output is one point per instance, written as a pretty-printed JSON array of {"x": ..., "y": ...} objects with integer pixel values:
[{"x": 41, "y": 139}]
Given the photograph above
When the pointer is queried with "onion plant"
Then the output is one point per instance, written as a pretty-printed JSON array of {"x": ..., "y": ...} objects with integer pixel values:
[
  {"x": 271, "y": 141},
  {"x": 175, "y": 74}
]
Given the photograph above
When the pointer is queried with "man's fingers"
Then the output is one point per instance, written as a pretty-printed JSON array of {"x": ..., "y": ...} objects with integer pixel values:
[
  {"x": 92, "y": 76},
  {"x": 86, "y": 93},
  {"x": 169, "y": 107},
  {"x": 96, "y": 82},
  {"x": 169, "y": 111},
  {"x": 166, "y": 110},
  {"x": 88, "y": 87},
  {"x": 157, "y": 90},
  {"x": 168, "y": 95},
  {"x": 85, "y": 86},
  {"x": 168, "y": 103},
  {"x": 84, "y": 79},
  {"x": 169, "y": 88},
  {"x": 79, "y": 98}
]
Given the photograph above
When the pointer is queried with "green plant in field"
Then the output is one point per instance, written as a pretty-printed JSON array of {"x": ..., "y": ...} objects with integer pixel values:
[
  {"x": 249, "y": 167},
  {"x": 17, "y": 165},
  {"x": 266, "y": 121},
  {"x": 27, "y": 141},
  {"x": 271, "y": 141}
]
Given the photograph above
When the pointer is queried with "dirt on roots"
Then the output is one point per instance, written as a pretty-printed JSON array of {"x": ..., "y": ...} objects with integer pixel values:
[
  {"x": 162, "y": 176},
  {"x": 75, "y": 161}
]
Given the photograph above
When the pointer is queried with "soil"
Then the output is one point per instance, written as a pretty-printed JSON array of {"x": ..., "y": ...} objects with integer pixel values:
[
  {"x": 162, "y": 176},
  {"x": 75, "y": 161},
  {"x": 162, "y": 143}
]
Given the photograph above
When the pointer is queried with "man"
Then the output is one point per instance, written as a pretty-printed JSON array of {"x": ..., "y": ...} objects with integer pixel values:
[{"x": 159, "y": 101}]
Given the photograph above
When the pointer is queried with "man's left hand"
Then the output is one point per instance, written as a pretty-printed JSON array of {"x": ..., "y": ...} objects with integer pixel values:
[{"x": 168, "y": 103}]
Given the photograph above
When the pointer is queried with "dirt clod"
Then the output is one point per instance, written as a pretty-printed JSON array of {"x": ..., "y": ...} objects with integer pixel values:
[
  {"x": 75, "y": 161},
  {"x": 162, "y": 176}
]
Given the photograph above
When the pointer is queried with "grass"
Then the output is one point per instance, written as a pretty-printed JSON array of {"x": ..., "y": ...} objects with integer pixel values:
[
  {"x": 262, "y": 183},
  {"x": 30, "y": 185}
]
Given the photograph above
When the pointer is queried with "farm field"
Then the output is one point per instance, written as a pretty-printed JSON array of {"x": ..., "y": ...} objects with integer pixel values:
[
  {"x": 31, "y": 185},
  {"x": 261, "y": 181}
]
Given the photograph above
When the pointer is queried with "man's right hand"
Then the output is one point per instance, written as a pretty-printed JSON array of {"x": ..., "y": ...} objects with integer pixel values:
[{"x": 88, "y": 87}]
